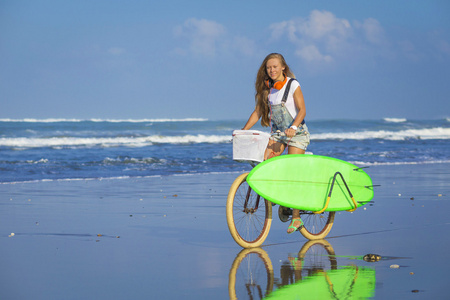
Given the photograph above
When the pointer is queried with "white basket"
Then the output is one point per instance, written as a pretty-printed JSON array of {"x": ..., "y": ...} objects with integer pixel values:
[{"x": 249, "y": 145}]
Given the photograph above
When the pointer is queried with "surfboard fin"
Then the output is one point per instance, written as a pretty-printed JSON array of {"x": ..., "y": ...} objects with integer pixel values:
[
  {"x": 371, "y": 186},
  {"x": 360, "y": 168}
]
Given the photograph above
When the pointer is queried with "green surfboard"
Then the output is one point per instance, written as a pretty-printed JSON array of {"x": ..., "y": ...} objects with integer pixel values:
[{"x": 304, "y": 182}]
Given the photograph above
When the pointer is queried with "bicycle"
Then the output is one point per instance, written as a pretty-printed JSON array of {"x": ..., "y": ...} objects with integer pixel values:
[{"x": 249, "y": 216}]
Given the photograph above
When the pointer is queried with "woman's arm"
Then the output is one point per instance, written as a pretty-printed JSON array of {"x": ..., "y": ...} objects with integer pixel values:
[
  {"x": 254, "y": 117},
  {"x": 300, "y": 104}
]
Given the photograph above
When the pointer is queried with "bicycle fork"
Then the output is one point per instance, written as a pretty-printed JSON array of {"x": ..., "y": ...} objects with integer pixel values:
[{"x": 251, "y": 210}]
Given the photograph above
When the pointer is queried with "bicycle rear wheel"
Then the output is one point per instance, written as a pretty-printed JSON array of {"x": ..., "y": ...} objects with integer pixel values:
[
  {"x": 249, "y": 216},
  {"x": 316, "y": 226}
]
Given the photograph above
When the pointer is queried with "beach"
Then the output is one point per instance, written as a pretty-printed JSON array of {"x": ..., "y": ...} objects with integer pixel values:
[{"x": 166, "y": 237}]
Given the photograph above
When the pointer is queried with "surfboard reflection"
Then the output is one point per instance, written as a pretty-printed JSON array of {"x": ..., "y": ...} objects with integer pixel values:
[{"x": 313, "y": 273}]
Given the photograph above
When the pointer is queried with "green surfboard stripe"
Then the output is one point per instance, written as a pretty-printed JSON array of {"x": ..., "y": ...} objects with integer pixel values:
[{"x": 304, "y": 181}]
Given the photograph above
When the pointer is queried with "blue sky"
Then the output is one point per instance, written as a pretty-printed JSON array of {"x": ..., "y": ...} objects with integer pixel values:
[{"x": 198, "y": 59}]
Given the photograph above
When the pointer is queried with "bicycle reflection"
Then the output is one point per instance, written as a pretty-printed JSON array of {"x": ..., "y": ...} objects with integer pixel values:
[{"x": 312, "y": 274}]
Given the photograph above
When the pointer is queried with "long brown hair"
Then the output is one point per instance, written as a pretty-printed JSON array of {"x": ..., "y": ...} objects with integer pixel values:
[{"x": 262, "y": 90}]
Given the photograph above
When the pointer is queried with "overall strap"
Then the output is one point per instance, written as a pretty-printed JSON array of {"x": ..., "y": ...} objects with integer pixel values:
[{"x": 286, "y": 91}]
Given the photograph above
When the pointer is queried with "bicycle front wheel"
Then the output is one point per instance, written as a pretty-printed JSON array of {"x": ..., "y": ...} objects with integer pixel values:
[{"x": 249, "y": 216}]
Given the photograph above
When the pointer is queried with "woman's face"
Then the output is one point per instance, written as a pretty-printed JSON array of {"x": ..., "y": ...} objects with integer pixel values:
[{"x": 275, "y": 69}]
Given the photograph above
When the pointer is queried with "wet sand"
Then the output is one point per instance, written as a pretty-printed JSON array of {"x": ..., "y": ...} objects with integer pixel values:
[{"x": 167, "y": 238}]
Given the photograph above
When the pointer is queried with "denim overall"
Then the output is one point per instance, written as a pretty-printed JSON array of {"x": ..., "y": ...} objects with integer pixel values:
[{"x": 282, "y": 120}]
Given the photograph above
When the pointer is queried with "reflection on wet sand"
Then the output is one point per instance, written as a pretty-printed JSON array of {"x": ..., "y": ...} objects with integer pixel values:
[
  {"x": 251, "y": 274},
  {"x": 313, "y": 273},
  {"x": 315, "y": 256}
]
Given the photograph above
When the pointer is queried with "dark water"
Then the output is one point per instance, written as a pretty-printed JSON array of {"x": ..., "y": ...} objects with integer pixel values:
[{"x": 37, "y": 150}]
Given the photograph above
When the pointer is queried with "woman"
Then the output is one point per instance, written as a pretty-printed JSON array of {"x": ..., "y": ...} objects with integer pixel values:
[{"x": 286, "y": 116}]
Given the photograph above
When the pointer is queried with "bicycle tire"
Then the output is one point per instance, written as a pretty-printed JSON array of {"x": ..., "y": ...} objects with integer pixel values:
[
  {"x": 316, "y": 226},
  {"x": 248, "y": 223}
]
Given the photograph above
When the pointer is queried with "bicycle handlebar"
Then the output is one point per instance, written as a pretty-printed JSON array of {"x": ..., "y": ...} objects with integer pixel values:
[{"x": 278, "y": 133}]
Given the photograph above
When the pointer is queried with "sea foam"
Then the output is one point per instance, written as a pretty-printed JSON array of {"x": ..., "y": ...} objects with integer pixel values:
[
  {"x": 61, "y": 142},
  {"x": 439, "y": 133},
  {"x": 61, "y": 120},
  {"x": 395, "y": 120},
  {"x": 107, "y": 142}
]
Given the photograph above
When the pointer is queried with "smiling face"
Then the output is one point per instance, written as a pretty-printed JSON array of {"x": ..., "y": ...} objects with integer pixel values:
[{"x": 274, "y": 69}]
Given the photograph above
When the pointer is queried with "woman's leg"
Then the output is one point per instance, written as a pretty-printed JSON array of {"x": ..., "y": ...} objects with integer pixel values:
[
  {"x": 295, "y": 150},
  {"x": 273, "y": 149},
  {"x": 296, "y": 223}
]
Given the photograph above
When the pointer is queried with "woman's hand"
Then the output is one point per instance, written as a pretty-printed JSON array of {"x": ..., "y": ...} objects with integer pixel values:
[{"x": 290, "y": 132}]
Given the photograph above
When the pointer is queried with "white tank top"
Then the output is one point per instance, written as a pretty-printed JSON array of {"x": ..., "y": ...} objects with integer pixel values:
[{"x": 275, "y": 97}]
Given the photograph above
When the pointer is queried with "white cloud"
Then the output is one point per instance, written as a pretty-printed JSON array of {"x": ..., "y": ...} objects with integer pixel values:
[
  {"x": 311, "y": 53},
  {"x": 373, "y": 31},
  {"x": 323, "y": 37},
  {"x": 278, "y": 29},
  {"x": 203, "y": 35},
  {"x": 325, "y": 25},
  {"x": 209, "y": 38},
  {"x": 425, "y": 47}
]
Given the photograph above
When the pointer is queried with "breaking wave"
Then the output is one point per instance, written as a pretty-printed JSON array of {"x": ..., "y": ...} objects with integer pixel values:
[
  {"x": 395, "y": 120},
  {"x": 56, "y": 120},
  {"x": 64, "y": 142},
  {"x": 438, "y": 133},
  {"x": 107, "y": 142}
]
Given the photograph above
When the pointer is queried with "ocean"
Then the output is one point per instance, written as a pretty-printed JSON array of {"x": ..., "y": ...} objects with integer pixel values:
[{"x": 71, "y": 149}]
